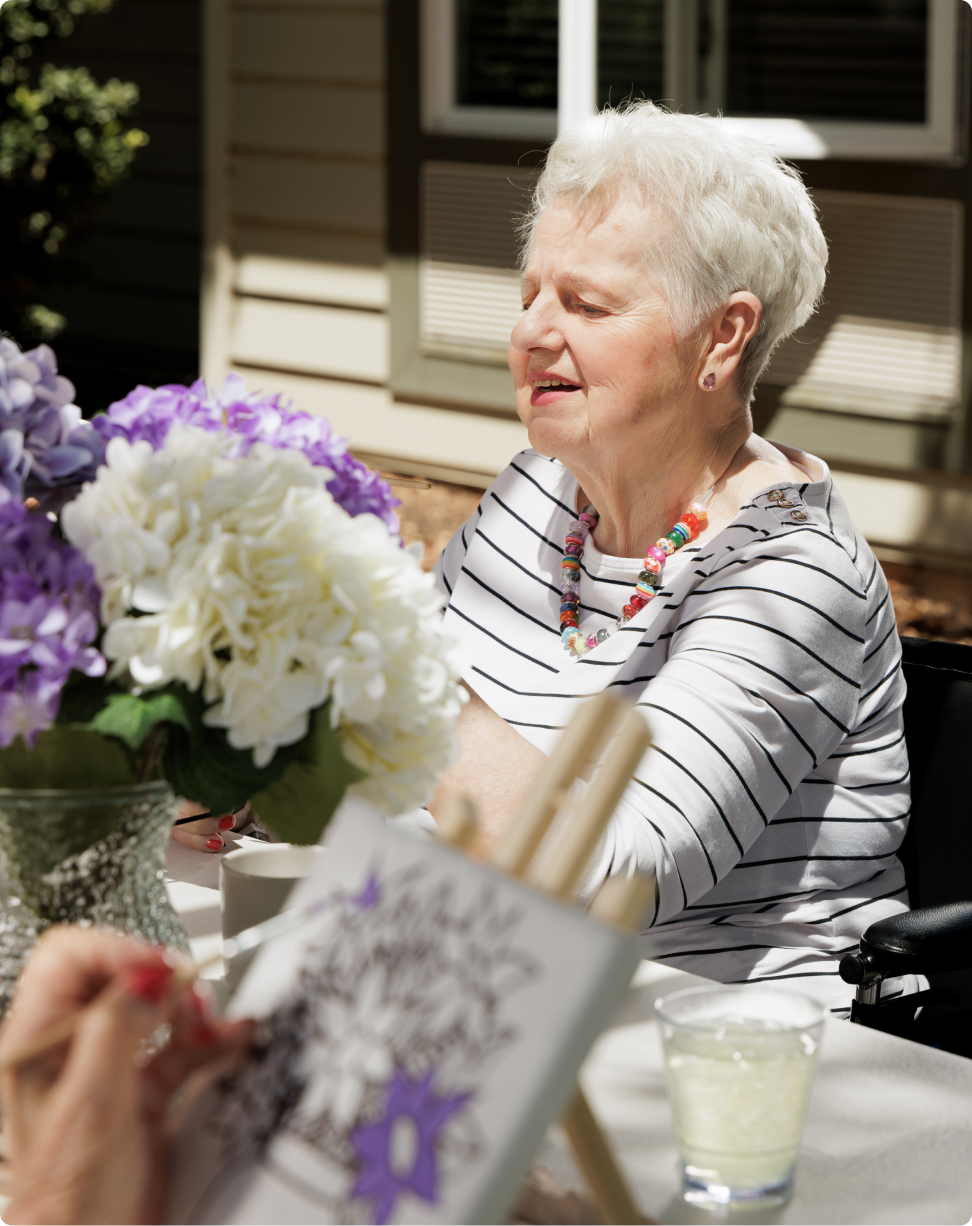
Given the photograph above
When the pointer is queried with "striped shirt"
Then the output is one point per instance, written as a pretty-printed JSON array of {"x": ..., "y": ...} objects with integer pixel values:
[{"x": 776, "y": 792}]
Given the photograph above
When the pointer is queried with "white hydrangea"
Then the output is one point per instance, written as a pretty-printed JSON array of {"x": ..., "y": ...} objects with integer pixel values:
[{"x": 246, "y": 579}]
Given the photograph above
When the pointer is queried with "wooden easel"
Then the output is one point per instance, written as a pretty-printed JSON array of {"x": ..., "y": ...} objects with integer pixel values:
[{"x": 620, "y": 902}]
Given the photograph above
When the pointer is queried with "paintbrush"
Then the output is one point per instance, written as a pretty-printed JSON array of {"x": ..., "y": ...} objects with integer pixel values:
[{"x": 231, "y": 947}]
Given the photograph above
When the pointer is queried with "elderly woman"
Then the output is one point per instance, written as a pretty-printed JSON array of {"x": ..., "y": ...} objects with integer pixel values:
[{"x": 651, "y": 542}]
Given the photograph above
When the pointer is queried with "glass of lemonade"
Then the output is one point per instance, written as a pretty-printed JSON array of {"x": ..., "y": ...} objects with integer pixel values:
[{"x": 740, "y": 1063}]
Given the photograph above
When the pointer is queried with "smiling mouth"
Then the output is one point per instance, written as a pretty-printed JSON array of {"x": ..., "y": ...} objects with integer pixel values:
[{"x": 546, "y": 390}]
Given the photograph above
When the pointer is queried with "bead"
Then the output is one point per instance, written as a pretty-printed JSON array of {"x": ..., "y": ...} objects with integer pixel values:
[
  {"x": 591, "y": 642},
  {"x": 570, "y": 564},
  {"x": 590, "y": 521},
  {"x": 592, "y": 511},
  {"x": 681, "y": 530},
  {"x": 565, "y": 634},
  {"x": 665, "y": 545},
  {"x": 700, "y": 513},
  {"x": 602, "y": 636},
  {"x": 569, "y": 606},
  {"x": 577, "y": 526},
  {"x": 573, "y": 551},
  {"x": 658, "y": 554},
  {"x": 573, "y": 538},
  {"x": 645, "y": 590},
  {"x": 692, "y": 523},
  {"x": 675, "y": 540},
  {"x": 637, "y": 601},
  {"x": 629, "y": 610},
  {"x": 648, "y": 576}
]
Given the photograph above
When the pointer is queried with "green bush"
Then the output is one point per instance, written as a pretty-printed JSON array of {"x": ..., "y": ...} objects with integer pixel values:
[{"x": 63, "y": 149}]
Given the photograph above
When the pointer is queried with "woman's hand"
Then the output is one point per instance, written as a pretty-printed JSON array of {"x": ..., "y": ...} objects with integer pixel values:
[
  {"x": 85, "y": 1121},
  {"x": 496, "y": 769},
  {"x": 204, "y": 835}
]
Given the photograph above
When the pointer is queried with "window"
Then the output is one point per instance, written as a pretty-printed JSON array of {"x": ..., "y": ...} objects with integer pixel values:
[{"x": 841, "y": 78}]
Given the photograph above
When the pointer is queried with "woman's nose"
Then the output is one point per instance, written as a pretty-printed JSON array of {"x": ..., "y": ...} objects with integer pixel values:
[{"x": 538, "y": 327}]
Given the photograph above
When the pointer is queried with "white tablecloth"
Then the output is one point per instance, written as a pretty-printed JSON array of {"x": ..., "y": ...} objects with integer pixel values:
[{"x": 889, "y": 1131}]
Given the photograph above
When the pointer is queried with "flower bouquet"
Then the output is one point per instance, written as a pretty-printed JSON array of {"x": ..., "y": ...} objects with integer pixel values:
[{"x": 205, "y": 596}]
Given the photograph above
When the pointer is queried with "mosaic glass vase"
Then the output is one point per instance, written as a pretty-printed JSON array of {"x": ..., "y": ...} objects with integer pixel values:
[{"x": 84, "y": 856}]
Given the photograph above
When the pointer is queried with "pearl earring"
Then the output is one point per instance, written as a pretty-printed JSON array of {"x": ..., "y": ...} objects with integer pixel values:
[{"x": 709, "y": 382}]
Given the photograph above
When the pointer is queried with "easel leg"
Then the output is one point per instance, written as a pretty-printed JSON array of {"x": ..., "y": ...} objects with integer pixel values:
[{"x": 593, "y": 1153}]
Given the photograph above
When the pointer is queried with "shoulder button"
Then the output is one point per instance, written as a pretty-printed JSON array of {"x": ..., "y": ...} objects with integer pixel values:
[{"x": 799, "y": 516}]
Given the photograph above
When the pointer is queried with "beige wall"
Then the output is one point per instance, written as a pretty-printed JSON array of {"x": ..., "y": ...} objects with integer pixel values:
[
  {"x": 305, "y": 296},
  {"x": 295, "y": 101}
]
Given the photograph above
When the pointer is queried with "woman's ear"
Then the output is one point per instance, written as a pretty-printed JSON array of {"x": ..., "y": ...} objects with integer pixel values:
[{"x": 731, "y": 328}]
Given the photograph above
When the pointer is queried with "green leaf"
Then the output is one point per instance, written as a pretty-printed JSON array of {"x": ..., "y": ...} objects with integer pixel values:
[
  {"x": 66, "y": 758},
  {"x": 201, "y": 765},
  {"x": 298, "y": 806},
  {"x": 131, "y": 719}
]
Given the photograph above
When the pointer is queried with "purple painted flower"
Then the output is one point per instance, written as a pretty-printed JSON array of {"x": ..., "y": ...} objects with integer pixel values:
[
  {"x": 48, "y": 620},
  {"x": 148, "y": 413},
  {"x": 384, "y": 1175},
  {"x": 369, "y": 896}
]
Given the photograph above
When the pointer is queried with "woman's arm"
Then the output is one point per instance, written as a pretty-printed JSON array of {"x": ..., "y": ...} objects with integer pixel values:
[{"x": 496, "y": 769}]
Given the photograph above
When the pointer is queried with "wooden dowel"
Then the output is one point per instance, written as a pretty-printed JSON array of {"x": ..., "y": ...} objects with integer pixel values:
[
  {"x": 581, "y": 741},
  {"x": 608, "y": 1185},
  {"x": 624, "y": 901},
  {"x": 563, "y": 871},
  {"x": 457, "y": 821}
]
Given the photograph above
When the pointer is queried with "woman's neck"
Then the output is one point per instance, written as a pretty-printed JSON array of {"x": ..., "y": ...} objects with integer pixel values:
[{"x": 639, "y": 504}]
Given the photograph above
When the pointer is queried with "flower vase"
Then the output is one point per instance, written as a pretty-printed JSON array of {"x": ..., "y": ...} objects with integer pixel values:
[{"x": 83, "y": 856}]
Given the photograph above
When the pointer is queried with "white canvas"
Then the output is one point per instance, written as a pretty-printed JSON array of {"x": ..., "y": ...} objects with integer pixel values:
[{"x": 420, "y": 1036}]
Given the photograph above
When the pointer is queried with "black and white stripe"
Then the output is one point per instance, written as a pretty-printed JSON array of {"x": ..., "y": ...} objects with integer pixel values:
[{"x": 775, "y": 795}]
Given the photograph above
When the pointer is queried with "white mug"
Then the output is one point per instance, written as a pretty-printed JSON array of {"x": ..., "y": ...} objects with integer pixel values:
[{"x": 254, "y": 883}]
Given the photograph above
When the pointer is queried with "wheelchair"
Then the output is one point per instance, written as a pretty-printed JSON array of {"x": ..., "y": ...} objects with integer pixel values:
[{"x": 934, "y": 938}]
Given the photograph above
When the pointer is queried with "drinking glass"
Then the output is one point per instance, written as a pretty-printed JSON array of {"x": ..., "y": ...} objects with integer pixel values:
[{"x": 740, "y": 1063}]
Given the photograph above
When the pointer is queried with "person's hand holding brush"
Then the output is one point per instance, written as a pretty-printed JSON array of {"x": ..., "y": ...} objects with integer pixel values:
[{"x": 85, "y": 1121}]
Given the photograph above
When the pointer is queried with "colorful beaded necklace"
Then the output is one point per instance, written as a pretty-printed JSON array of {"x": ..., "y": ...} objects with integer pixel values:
[{"x": 687, "y": 529}]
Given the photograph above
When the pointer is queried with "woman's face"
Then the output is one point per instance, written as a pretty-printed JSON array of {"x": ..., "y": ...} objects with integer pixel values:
[{"x": 596, "y": 327}]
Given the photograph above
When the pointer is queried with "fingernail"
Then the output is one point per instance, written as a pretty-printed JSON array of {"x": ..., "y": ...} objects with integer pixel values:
[
  {"x": 202, "y": 1035},
  {"x": 227, "y": 823},
  {"x": 214, "y": 844},
  {"x": 150, "y": 982}
]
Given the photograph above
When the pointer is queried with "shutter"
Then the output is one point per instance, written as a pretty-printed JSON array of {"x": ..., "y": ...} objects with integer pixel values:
[
  {"x": 886, "y": 341},
  {"x": 469, "y": 290}
]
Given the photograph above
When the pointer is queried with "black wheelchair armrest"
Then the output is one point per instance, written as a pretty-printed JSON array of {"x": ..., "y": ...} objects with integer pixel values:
[{"x": 925, "y": 941}]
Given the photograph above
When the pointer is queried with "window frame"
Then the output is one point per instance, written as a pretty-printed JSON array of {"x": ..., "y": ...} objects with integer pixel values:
[{"x": 694, "y": 86}]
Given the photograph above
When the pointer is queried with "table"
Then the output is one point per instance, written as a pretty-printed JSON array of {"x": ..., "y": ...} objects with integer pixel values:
[{"x": 889, "y": 1130}]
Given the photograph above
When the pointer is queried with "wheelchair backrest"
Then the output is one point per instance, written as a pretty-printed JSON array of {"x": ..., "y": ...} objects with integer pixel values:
[{"x": 937, "y": 851}]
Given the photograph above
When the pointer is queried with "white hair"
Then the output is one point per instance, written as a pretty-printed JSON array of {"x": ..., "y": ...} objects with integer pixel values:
[{"x": 735, "y": 217}]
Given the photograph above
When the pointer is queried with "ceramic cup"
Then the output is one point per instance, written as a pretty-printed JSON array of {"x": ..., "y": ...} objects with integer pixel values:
[{"x": 254, "y": 883}]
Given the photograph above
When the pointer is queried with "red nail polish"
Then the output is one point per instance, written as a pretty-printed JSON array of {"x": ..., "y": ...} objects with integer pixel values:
[
  {"x": 150, "y": 982},
  {"x": 214, "y": 844},
  {"x": 227, "y": 823}
]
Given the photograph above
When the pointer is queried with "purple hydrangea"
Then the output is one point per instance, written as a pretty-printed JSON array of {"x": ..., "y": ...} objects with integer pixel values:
[
  {"x": 147, "y": 413},
  {"x": 46, "y": 450},
  {"x": 48, "y": 620}
]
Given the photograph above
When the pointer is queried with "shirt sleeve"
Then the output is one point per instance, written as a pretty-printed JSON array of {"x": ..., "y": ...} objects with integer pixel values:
[{"x": 763, "y": 680}]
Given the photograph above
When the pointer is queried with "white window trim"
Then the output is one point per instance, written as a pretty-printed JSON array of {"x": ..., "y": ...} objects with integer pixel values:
[{"x": 936, "y": 140}]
